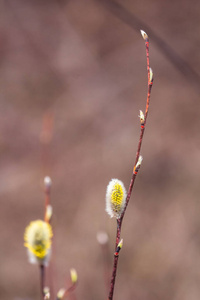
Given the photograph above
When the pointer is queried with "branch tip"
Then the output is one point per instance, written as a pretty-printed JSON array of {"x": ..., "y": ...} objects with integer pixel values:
[
  {"x": 74, "y": 276},
  {"x": 144, "y": 35},
  {"x": 47, "y": 181},
  {"x": 47, "y": 184}
]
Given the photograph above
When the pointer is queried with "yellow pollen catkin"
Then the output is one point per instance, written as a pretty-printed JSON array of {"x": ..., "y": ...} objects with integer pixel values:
[
  {"x": 117, "y": 197},
  {"x": 37, "y": 239}
]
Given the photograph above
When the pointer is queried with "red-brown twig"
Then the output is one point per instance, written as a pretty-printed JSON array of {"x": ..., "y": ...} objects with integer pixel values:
[{"x": 136, "y": 166}]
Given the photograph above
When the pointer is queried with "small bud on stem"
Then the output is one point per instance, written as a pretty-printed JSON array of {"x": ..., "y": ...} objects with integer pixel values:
[
  {"x": 119, "y": 247},
  {"x": 48, "y": 213},
  {"x": 141, "y": 116},
  {"x": 60, "y": 294},
  {"x": 46, "y": 292},
  {"x": 138, "y": 164},
  {"x": 150, "y": 76}
]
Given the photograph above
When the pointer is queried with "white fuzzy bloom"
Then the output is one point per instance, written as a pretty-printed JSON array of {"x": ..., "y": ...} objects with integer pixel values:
[{"x": 115, "y": 198}]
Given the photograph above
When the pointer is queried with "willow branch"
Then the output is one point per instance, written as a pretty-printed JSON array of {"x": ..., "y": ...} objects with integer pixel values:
[{"x": 143, "y": 119}]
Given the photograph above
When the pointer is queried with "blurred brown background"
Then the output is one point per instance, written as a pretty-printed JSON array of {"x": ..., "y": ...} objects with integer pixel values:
[{"x": 72, "y": 80}]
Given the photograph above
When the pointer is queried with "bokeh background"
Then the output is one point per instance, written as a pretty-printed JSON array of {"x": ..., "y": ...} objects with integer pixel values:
[{"x": 72, "y": 80}]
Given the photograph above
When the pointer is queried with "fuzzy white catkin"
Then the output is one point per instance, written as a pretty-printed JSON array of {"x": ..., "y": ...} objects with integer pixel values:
[{"x": 115, "y": 198}]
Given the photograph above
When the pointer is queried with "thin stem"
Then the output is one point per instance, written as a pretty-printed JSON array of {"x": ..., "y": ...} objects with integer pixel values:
[
  {"x": 134, "y": 174},
  {"x": 118, "y": 232},
  {"x": 42, "y": 269},
  {"x": 150, "y": 82},
  {"x": 47, "y": 190},
  {"x": 47, "y": 201},
  {"x": 105, "y": 258},
  {"x": 47, "y": 219},
  {"x": 112, "y": 283}
]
